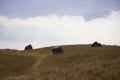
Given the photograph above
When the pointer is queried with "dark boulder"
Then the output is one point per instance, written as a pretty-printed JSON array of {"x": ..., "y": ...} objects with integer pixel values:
[
  {"x": 96, "y": 44},
  {"x": 29, "y": 47},
  {"x": 57, "y": 50}
]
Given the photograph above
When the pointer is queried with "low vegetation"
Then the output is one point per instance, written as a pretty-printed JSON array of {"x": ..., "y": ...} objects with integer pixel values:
[{"x": 78, "y": 62}]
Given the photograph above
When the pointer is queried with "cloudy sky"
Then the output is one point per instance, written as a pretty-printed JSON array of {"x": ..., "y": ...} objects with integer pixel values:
[{"x": 57, "y": 22}]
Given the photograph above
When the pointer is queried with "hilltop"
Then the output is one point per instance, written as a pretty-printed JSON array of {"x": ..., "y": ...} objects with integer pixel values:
[{"x": 78, "y": 62}]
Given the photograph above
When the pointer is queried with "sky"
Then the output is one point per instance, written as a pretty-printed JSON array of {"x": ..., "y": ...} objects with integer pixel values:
[{"x": 45, "y": 23}]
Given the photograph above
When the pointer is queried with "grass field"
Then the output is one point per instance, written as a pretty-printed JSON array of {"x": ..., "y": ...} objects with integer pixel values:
[{"x": 78, "y": 62}]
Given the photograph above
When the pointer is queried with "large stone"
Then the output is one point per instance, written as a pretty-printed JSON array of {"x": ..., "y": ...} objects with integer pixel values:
[
  {"x": 96, "y": 44},
  {"x": 57, "y": 50},
  {"x": 29, "y": 47}
]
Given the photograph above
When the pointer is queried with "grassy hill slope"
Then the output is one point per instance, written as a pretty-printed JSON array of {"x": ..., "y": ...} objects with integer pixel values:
[{"x": 78, "y": 62}]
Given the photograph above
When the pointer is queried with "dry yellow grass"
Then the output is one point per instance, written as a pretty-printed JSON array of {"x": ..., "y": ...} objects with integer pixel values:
[{"x": 78, "y": 62}]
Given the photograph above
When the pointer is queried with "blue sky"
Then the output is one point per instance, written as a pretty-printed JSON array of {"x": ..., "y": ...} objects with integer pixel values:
[
  {"x": 29, "y": 8},
  {"x": 54, "y": 22}
]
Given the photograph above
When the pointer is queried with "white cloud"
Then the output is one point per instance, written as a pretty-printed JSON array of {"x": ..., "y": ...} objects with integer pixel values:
[{"x": 53, "y": 29}]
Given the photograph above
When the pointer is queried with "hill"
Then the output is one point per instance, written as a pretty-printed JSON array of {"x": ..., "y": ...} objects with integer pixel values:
[{"x": 78, "y": 62}]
